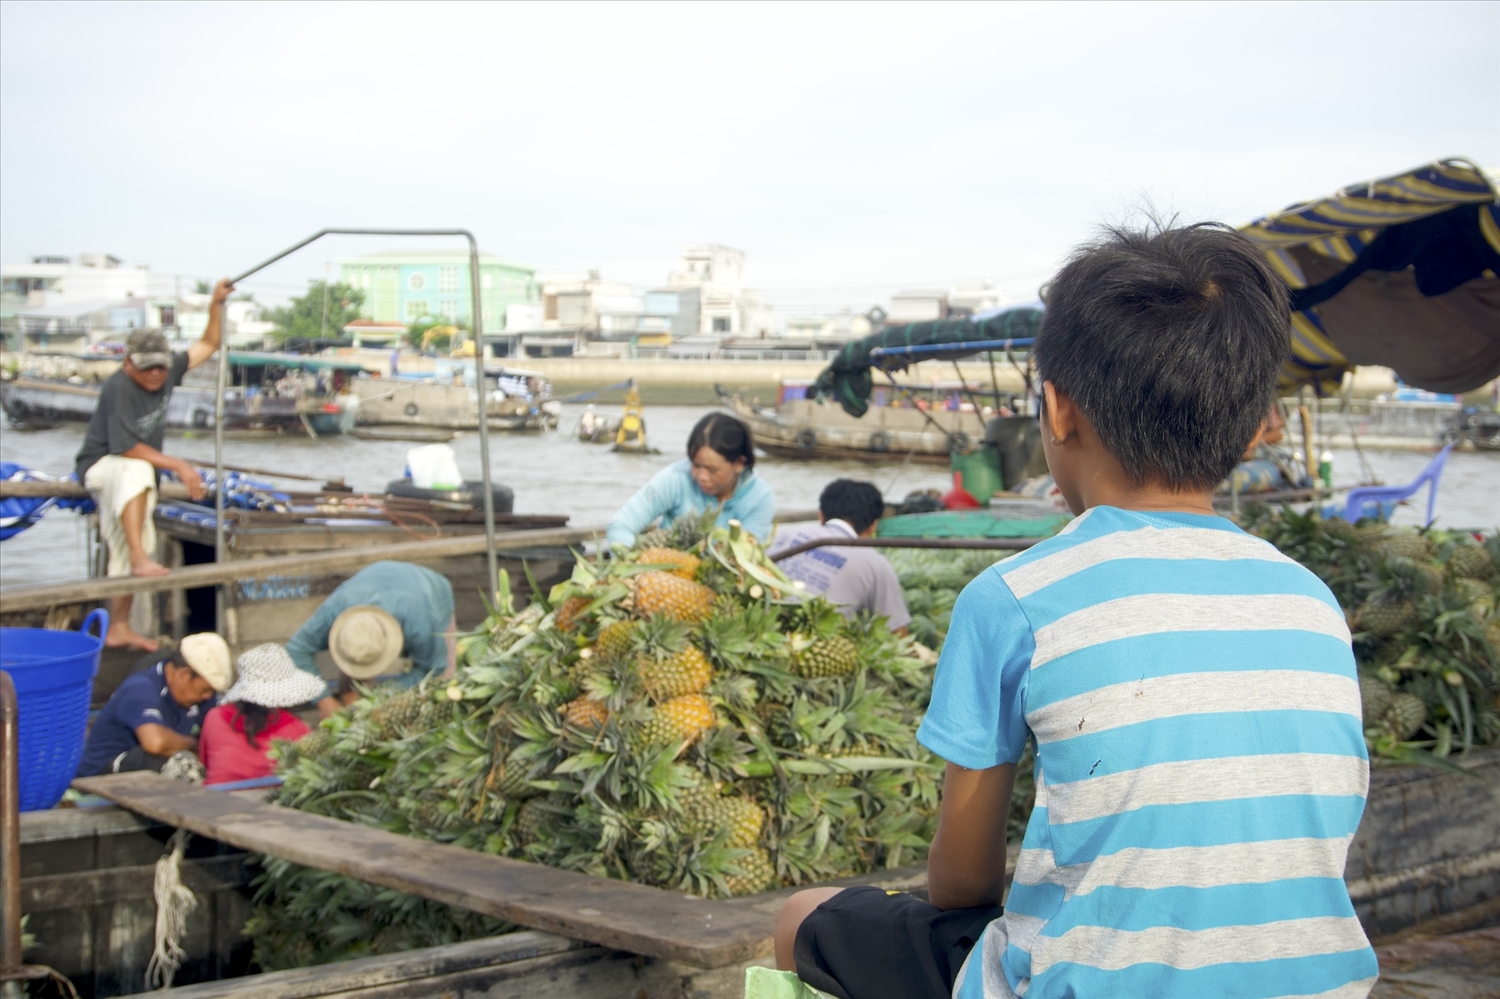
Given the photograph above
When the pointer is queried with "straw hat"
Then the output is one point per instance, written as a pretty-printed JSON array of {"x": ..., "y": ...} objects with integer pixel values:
[
  {"x": 208, "y": 655},
  {"x": 268, "y": 677},
  {"x": 364, "y": 641}
]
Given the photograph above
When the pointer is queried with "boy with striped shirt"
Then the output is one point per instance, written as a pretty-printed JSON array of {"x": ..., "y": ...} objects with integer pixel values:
[{"x": 1191, "y": 693}]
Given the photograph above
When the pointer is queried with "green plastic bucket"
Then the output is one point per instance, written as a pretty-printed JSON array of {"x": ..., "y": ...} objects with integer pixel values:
[{"x": 980, "y": 469}]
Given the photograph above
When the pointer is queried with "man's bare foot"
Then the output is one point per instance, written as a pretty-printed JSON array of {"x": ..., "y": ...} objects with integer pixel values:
[
  {"x": 146, "y": 566},
  {"x": 122, "y": 636}
]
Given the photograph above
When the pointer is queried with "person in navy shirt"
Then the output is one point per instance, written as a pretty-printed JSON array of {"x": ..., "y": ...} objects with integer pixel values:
[{"x": 159, "y": 711}]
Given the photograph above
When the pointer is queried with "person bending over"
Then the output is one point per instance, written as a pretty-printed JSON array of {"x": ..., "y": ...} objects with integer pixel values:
[
  {"x": 158, "y": 711},
  {"x": 384, "y": 612},
  {"x": 238, "y": 733},
  {"x": 122, "y": 454},
  {"x": 1190, "y": 691},
  {"x": 719, "y": 473},
  {"x": 858, "y": 580}
]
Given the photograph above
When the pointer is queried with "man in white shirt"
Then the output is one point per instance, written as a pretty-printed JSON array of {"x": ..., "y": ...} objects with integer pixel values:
[{"x": 856, "y": 579}]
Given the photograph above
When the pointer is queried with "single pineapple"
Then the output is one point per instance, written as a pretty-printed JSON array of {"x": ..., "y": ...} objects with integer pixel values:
[
  {"x": 585, "y": 713},
  {"x": 1375, "y": 696},
  {"x": 614, "y": 641},
  {"x": 534, "y": 815},
  {"x": 567, "y": 614},
  {"x": 1406, "y": 715},
  {"x": 686, "y": 672},
  {"x": 683, "y": 563},
  {"x": 315, "y": 745},
  {"x": 777, "y": 720},
  {"x": 508, "y": 779},
  {"x": 681, "y": 719},
  {"x": 672, "y": 596},
  {"x": 403, "y": 714},
  {"x": 707, "y": 812},
  {"x": 836, "y": 656},
  {"x": 1402, "y": 544},
  {"x": 657, "y": 537},
  {"x": 1391, "y": 606},
  {"x": 757, "y": 873},
  {"x": 1471, "y": 561}
]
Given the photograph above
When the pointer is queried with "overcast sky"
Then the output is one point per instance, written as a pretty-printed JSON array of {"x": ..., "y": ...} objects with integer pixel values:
[{"x": 848, "y": 149}]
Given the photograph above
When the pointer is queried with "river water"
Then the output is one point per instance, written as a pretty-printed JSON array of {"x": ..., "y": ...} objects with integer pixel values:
[{"x": 554, "y": 472}]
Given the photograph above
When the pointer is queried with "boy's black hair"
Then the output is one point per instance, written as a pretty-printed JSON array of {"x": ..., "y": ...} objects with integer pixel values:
[
  {"x": 1169, "y": 340},
  {"x": 858, "y": 504},
  {"x": 726, "y": 435}
]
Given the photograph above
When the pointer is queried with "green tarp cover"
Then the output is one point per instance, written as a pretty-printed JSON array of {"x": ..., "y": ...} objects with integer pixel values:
[
  {"x": 969, "y": 524},
  {"x": 847, "y": 377}
]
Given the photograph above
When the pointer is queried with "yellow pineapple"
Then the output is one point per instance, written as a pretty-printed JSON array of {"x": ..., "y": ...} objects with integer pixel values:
[
  {"x": 614, "y": 641},
  {"x": 672, "y": 596},
  {"x": 757, "y": 873},
  {"x": 687, "y": 672},
  {"x": 585, "y": 713},
  {"x": 680, "y": 719},
  {"x": 567, "y": 614},
  {"x": 685, "y": 564},
  {"x": 836, "y": 656}
]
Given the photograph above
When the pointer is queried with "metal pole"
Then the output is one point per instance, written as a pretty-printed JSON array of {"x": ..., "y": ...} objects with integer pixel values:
[
  {"x": 221, "y": 603},
  {"x": 484, "y": 422},
  {"x": 484, "y": 437},
  {"x": 10, "y": 833}
]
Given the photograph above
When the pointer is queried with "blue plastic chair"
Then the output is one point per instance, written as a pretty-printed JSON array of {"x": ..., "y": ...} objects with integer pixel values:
[{"x": 1358, "y": 498}]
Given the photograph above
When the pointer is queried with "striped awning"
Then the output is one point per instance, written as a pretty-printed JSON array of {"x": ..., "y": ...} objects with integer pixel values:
[{"x": 1399, "y": 272}]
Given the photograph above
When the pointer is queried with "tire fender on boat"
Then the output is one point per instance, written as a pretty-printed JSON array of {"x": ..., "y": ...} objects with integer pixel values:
[
  {"x": 806, "y": 439},
  {"x": 880, "y": 442},
  {"x": 411, "y": 409},
  {"x": 202, "y": 418},
  {"x": 959, "y": 441}
]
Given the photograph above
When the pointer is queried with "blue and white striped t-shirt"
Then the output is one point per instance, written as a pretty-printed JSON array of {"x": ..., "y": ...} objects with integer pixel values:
[{"x": 1200, "y": 770}]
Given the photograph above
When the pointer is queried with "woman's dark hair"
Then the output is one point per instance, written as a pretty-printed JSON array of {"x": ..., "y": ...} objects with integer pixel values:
[
  {"x": 1170, "y": 342},
  {"x": 726, "y": 435},
  {"x": 257, "y": 718},
  {"x": 859, "y": 504}
]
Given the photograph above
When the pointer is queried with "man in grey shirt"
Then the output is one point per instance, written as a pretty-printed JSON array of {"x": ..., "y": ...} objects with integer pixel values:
[
  {"x": 856, "y": 579},
  {"x": 122, "y": 455}
]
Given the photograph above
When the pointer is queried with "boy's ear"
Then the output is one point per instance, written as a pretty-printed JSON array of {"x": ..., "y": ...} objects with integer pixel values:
[{"x": 1059, "y": 414}]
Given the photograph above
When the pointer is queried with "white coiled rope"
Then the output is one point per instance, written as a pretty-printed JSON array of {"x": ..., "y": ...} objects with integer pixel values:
[{"x": 174, "y": 901}]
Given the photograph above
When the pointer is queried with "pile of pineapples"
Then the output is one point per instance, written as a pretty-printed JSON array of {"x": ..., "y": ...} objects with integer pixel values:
[
  {"x": 680, "y": 715},
  {"x": 1424, "y": 610}
]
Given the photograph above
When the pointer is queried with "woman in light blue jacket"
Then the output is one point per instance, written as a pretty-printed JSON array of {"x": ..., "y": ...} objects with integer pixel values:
[{"x": 719, "y": 473}]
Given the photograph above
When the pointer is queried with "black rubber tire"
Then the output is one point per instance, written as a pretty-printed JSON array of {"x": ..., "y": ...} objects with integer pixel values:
[
  {"x": 959, "y": 441},
  {"x": 806, "y": 440},
  {"x": 880, "y": 442},
  {"x": 411, "y": 409},
  {"x": 471, "y": 492},
  {"x": 202, "y": 419}
]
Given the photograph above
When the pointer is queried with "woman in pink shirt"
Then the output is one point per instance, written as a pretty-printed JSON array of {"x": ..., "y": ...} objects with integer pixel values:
[{"x": 237, "y": 734}]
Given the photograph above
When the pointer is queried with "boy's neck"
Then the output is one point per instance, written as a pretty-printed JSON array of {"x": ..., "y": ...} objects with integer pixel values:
[{"x": 1119, "y": 491}]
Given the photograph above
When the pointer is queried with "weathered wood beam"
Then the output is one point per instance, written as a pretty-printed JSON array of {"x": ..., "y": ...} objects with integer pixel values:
[
  {"x": 21, "y": 598},
  {"x": 618, "y": 914},
  {"x": 72, "y": 490},
  {"x": 85, "y": 888}
]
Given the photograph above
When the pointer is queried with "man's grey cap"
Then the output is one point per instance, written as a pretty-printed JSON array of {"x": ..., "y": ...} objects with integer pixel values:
[{"x": 148, "y": 349}]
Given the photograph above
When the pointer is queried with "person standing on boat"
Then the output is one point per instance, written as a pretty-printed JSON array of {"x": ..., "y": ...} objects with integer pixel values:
[
  {"x": 856, "y": 580},
  {"x": 719, "y": 472},
  {"x": 122, "y": 454},
  {"x": 385, "y": 611}
]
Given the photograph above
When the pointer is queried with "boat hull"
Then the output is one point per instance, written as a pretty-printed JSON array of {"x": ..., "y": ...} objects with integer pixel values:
[
  {"x": 387, "y": 403},
  {"x": 36, "y": 403},
  {"x": 802, "y": 429}
]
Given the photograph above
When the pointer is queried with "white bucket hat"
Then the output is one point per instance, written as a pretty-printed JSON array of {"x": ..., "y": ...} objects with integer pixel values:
[
  {"x": 208, "y": 656},
  {"x": 365, "y": 641},
  {"x": 268, "y": 677}
]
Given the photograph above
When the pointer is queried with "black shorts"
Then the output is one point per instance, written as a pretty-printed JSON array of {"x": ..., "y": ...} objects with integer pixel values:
[{"x": 868, "y": 943}]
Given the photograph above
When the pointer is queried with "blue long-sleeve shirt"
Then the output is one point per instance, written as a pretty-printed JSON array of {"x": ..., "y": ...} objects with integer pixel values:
[
  {"x": 418, "y": 598},
  {"x": 672, "y": 493}
]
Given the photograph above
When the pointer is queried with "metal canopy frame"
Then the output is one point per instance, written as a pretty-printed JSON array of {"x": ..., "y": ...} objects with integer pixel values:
[{"x": 484, "y": 424}]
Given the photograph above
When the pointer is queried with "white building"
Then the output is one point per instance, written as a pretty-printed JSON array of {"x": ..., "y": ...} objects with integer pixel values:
[
  {"x": 51, "y": 282},
  {"x": 723, "y": 306}
]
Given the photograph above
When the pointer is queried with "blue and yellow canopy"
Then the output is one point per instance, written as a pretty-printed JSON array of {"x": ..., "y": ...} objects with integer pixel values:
[{"x": 1398, "y": 272}]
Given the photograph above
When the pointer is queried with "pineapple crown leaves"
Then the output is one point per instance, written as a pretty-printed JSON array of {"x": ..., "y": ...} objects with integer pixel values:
[{"x": 659, "y": 637}]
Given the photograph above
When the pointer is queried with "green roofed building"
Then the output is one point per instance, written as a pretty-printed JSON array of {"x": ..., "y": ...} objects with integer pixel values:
[{"x": 402, "y": 286}]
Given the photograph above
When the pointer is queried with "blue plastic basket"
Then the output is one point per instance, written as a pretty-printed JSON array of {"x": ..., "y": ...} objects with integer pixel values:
[{"x": 54, "y": 676}]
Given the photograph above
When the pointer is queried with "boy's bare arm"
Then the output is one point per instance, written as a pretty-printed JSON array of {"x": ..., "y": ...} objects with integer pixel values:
[{"x": 967, "y": 864}]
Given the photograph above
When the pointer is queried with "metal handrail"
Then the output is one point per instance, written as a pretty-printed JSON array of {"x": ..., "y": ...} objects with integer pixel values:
[
  {"x": 484, "y": 426},
  {"x": 970, "y": 544}
]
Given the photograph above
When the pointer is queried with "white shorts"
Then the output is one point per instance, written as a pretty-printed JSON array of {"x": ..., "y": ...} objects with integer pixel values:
[{"x": 115, "y": 481}]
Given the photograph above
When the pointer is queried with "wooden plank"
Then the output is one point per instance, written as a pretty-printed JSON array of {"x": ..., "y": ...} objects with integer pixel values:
[
  {"x": 66, "y": 891},
  {"x": 73, "y": 490},
  {"x": 20, "y": 598},
  {"x": 618, "y": 914},
  {"x": 386, "y": 969}
]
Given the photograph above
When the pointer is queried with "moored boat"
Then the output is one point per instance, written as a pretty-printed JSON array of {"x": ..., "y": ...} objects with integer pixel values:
[{"x": 517, "y": 400}]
